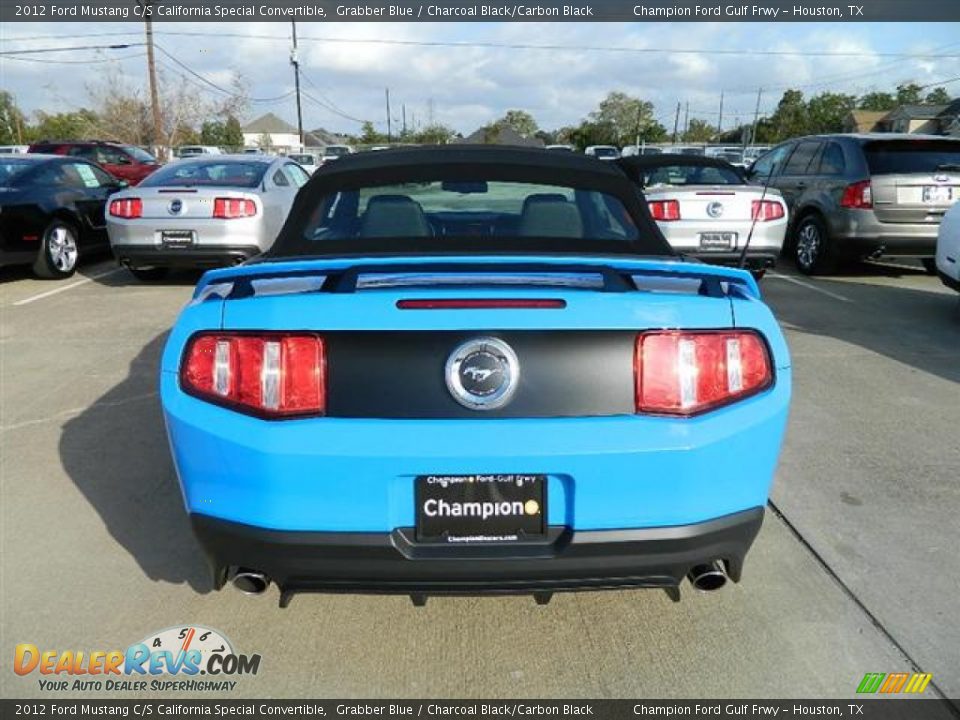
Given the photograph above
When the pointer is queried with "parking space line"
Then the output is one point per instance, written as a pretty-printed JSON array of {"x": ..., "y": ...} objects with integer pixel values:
[
  {"x": 64, "y": 288},
  {"x": 801, "y": 283}
]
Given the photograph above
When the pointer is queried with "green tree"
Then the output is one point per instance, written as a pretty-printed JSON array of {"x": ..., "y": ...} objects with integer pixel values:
[
  {"x": 699, "y": 131},
  {"x": 877, "y": 101},
  {"x": 212, "y": 132},
  {"x": 369, "y": 135},
  {"x": 938, "y": 96},
  {"x": 520, "y": 121},
  {"x": 909, "y": 94},
  {"x": 436, "y": 134},
  {"x": 232, "y": 133},
  {"x": 12, "y": 121},
  {"x": 624, "y": 117},
  {"x": 593, "y": 133},
  {"x": 790, "y": 117},
  {"x": 827, "y": 112},
  {"x": 77, "y": 125}
]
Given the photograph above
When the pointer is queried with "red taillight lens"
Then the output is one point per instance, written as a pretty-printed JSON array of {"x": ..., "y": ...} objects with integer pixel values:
[
  {"x": 858, "y": 196},
  {"x": 128, "y": 208},
  {"x": 270, "y": 374},
  {"x": 685, "y": 373},
  {"x": 764, "y": 210},
  {"x": 232, "y": 208},
  {"x": 664, "y": 209}
]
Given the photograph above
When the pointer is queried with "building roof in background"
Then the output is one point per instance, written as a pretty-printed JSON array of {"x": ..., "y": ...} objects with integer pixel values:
[
  {"x": 269, "y": 123},
  {"x": 866, "y": 120},
  {"x": 918, "y": 112}
]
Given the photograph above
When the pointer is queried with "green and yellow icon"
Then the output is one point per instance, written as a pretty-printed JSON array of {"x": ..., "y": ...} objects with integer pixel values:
[{"x": 889, "y": 683}]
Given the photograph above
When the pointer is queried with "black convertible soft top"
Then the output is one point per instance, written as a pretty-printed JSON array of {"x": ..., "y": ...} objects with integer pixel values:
[{"x": 465, "y": 163}]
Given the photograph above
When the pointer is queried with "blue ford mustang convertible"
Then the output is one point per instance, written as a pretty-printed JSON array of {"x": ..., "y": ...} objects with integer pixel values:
[{"x": 469, "y": 370}]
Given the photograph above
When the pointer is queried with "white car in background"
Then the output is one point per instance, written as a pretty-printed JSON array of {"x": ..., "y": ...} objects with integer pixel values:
[
  {"x": 334, "y": 152},
  {"x": 308, "y": 161},
  {"x": 603, "y": 152},
  {"x": 948, "y": 248},
  {"x": 187, "y": 151},
  {"x": 14, "y": 149},
  {"x": 705, "y": 209}
]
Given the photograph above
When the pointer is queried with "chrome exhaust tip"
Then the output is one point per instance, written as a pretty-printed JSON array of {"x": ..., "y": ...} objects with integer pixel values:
[
  {"x": 250, "y": 582},
  {"x": 708, "y": 577}
]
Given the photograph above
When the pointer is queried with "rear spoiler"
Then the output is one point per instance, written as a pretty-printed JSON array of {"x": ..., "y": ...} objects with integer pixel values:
[{"x": 347, "y": 275}]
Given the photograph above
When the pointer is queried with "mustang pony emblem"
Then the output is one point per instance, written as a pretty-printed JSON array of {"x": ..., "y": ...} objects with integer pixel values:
[{"x": 480, "y": 374}]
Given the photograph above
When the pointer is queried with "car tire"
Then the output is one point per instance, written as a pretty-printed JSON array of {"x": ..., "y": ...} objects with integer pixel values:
[
  {"x": 149, "y": 274},
  {"x": 59, "y": 251},
  {"x": 929, "y": 265},
  {"x": 813, "y": 252}
]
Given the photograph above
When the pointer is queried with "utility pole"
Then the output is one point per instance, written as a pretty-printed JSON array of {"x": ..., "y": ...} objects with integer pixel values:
[
  {"x": 295, "y": 61},
  {"x": 686, "y": 120},
  {"x": 720, "y": 119},
  {"x": 756, "y": 118},
  {"x": 403, "y": 107},
  {"x": 676, "y": 124},
  {"x": 389, "y": 127},
  {"x": 639, "y": 112},
  {"x": 152, "y": 76}
]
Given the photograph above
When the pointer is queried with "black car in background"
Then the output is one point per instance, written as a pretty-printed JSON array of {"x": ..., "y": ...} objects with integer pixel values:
[{"x": 52, "y": 211}]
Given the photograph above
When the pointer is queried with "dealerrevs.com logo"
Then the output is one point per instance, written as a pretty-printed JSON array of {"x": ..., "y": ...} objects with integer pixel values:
[{"x": 169, "y": 660}]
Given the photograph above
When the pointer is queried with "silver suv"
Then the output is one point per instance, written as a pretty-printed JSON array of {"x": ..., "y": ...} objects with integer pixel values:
[{"x": 862, "y": 195}]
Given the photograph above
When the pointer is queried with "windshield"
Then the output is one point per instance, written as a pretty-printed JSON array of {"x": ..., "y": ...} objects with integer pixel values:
[
  {"x": 690, "y": 175},
  {"x": 139, "y": 153},
  {"x": 11, "y": 168},
  {"x": 888, "y": 157},
  {"x": 212, "y": 173},
  {"x": 462, "y": 216},
  {"x": 336, "y": 151}
]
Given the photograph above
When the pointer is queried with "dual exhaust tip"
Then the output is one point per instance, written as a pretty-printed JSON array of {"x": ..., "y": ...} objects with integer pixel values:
[{"x": 706, "y": 578}]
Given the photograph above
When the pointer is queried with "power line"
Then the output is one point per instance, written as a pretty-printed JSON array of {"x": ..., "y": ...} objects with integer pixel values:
[
  {"x": 76, "y": 62},
  {"x": 34, "y": 51}
]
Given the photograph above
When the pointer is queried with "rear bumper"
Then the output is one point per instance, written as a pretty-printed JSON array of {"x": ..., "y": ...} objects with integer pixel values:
[
  {"x": 394, "y": 563},
  {"x": 861, "y": 232},
  {"x": 211, "y": 256}
]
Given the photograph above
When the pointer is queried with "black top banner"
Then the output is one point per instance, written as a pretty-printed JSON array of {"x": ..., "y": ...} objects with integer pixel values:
[
  {"x": 784, "y": 11},
  {"x": 860, "y": 709}
]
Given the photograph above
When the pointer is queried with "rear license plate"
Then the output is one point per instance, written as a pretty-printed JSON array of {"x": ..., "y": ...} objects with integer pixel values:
[
  {"x": 937, "y": 194},
  {"x": 481, "y": 508},
  {"x": 176, "y": 238},
  {"x": 718, "y": 240}
]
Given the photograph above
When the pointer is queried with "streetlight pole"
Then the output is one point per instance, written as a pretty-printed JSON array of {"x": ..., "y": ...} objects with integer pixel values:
[{"x": 295, "y": 61}]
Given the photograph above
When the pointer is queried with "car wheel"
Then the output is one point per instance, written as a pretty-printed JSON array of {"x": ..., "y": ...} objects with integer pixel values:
[
  {"x": 812, "y": 251},
  {"x": 59, "y": 252},
  {"x": 930, "y": 265},
  {"x": 149, "y": 274}
]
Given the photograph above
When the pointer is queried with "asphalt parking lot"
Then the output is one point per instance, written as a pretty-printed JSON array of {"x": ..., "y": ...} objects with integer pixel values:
[{"x": 856, "y": 569}]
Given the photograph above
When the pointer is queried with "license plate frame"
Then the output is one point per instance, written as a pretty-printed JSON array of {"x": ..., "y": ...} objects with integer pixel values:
[
  {"x": 505, "y": 499},
  {"x": 937, "y": 194},
  {"x": 718, "y": 240},
  {"x": 177, "y": 239}
]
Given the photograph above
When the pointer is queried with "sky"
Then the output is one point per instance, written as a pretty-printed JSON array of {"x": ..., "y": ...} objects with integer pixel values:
[{"x": 470, "y": 85}]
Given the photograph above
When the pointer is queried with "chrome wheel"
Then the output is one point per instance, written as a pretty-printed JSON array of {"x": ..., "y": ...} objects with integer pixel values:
[
  {"x": 62, "y": 248},
  {"x": 808, "y": 245}
]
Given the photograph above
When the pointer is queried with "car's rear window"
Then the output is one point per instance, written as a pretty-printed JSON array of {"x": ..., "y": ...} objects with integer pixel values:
[
  {"x": 209, "y": 173},
  {"x": 461, "y": 216},
  {"x": 10, "y": 168},
  {"x": 679, "y": 175},
  {"x": 890, "y": 157}
]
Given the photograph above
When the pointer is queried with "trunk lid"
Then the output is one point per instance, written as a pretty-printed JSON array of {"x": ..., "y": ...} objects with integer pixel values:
[
  {"x": 913, "y": 181},
  {"x": 186, "y": 202}
]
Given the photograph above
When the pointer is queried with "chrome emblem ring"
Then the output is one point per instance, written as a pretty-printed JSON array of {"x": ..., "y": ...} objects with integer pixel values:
[{"x": 483, "y": 373}]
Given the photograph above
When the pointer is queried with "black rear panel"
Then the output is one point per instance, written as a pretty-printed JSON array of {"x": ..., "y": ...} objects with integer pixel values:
[{"x": 402, "y": 374}]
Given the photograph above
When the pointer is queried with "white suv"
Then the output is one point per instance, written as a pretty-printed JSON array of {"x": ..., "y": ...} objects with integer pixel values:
[{"x": 948, "y": 249}]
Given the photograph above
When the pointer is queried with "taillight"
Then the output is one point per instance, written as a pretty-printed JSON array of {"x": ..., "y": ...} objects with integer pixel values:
[
  {"x": 685, "y": 373},
  {"x": 269, "y": 374},
  {"x": 858, "y": 196},
  {"x": 664, "y": 209},
  {"x": 232, "y": 208},
  {"x": 127, "y": 208},
  {"x": 764, "y": 210}
]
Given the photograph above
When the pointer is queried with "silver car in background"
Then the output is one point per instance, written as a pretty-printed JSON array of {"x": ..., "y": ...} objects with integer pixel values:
[
  {"x": 705, "y": 208},
  {"x": 208, "y": 211}
]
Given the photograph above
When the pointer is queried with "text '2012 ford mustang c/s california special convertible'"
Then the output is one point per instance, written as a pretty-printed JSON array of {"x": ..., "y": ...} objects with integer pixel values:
[{"x": 472, "y": 370}]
